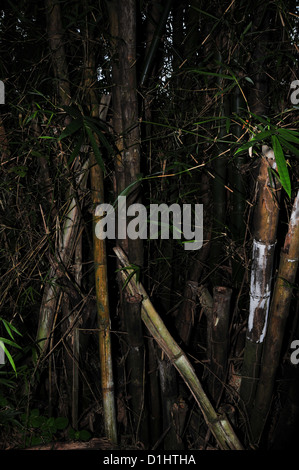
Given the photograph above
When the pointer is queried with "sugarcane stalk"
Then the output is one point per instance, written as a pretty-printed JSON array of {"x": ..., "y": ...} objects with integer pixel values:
[
  {"x": 279, "y": 311},
  {"x": 219, "y": 425}
]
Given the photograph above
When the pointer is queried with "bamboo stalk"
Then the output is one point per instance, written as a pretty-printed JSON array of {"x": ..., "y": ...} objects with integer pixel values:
[
  {"x": 265, "y": 226},
  {"x": 219, "y": 190},
  {"x": 150, "y": 56},
  {"x": 237, "y": 178},
  {"x": 75, "y": 337},
  {"x": 125, "y": 123},
  {"x": 49, "y": 301},
  {"x": 279, "y": 311},
  {"x": 219, "y": 425},
  {"x": 218, "y": 340},
  {"x": 55, "y": 35},
  {"x": 64, "y": 252},
  {"x": 101, "y": 287}
]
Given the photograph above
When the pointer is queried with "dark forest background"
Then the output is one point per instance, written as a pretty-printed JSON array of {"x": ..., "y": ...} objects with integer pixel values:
[{"x": 141, "y": 344}]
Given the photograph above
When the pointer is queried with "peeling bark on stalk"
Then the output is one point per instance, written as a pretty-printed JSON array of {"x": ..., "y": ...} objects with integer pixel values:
[
  {"x": 279, "y": 311},
  {"x": 265, "y": 226}
]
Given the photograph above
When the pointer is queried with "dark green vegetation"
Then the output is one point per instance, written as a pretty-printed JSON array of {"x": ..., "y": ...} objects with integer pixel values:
[{"x": 164, "y": 102}]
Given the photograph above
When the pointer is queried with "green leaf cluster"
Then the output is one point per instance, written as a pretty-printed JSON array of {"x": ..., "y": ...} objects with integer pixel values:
[
  {"x": 85, "y": 126},
  {"x": 10, "y": 329},
  {"x": 281, "y": 140},
  {"x": 40, "y": 429}
]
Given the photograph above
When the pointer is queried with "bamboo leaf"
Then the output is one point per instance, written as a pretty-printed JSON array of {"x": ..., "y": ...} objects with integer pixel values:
[
  {"x": 73, "y": 127},
  {"x": 7, "y": 353},
  {"x": 227, "y": 124},
  {"x": 9, "y": 328},
  {"x": 281, "y": 165},
  {"x": 246, "y": 30},
  {"x": 260, "y": 118},
  {"x": 212, "y": 74},
  {"x": 205, "y": 13},
  {"x": 10, "y": 343},
  {"x": 95, "y": 148},
  {"x": 76, "y": 150},
  {"x": 93, "y": 125},
  {"x": 289, "y": 146},
  {"x": 290, "y": 136},
  {"x": 257, "y": 138},
  {"x": 103, "y": 124},
  {"x": 72, "y": 111},
  {"x": 248, "y": 79},
  {"x": 133, "y": 271}
]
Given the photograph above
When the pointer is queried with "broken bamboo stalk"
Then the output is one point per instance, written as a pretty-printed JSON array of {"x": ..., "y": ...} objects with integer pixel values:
[
  {"x": 218, "y": 324},
  {"x": 218, "y": 425}
]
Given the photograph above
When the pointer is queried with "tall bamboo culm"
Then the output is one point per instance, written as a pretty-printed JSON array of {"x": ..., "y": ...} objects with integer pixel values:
[
  {"x": 100, "y": 262},
  {"x": 264, "y": 239},
  {"x": 278, "y": 315}
]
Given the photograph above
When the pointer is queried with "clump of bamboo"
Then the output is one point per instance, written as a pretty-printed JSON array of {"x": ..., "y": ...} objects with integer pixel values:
[
  {"x": 218, "y": 424},
  {"x": 278, "y": 314}
]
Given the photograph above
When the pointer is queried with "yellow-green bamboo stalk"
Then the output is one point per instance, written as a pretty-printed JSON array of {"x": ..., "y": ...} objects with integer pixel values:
[
  {"x": 101, "y": 287},
  {"x": 218, "y": 425}
]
